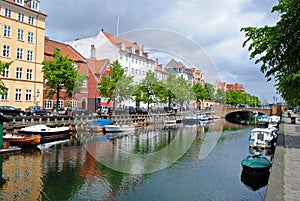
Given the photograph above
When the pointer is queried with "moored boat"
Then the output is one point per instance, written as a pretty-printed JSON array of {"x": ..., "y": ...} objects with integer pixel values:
[
  {"x": 191, "y": 119},
  {"x": 274, "y": 121},
  {"x": 119, "y": 128},
  {"x": 263, "y": 137},
  {"x": 203, "y": 117},
  {"x": 256, "y": 164},
  {"x": 48, "y": 134},
  {"x": 22, "y": 140}
]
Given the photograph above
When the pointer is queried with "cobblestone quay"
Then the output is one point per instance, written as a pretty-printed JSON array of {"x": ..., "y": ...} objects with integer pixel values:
[{"x": 284, "y": 181}]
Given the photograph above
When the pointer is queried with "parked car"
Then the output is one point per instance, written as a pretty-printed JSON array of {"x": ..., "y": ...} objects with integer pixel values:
[
  {"x": 10, "y": 110},
  {"x": 80, "y": 112},
  {"x": 137, "y": 110},
  {"x": 103, "y": 110},
  {"x": 37, "y": 110}
]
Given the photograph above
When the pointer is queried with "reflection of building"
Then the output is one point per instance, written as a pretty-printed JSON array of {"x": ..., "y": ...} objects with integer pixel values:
[
  {"x": 22, "y": 29},
  {"x": 80, "y": 64},
  {"x": 25, "y": 174}
]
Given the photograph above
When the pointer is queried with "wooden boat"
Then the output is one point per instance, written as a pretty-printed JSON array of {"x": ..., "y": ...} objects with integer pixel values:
[
  {"x": 119, "y": 128},
  {"x": 22, "y": 140},
  {"x": 263, "y": 137},
  {"x": 256, "y": 164},
  {"x": 47, "y": 133}
]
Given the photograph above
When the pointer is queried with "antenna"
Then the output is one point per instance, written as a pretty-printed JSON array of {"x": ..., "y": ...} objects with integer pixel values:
[{"x": 118, "y": 21}]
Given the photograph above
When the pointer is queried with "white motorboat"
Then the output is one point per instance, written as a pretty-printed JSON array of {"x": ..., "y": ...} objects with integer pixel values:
[
  {"x": 263, "y": 137},
  {"x": 119, "y": 128},
  {"x": 274, "y": 121},
  {"x": 169, "y": 123},
  {"x": 190, "y": 119},
  {"x": 203, "y": 117},
  {"x": 48, "y": 134}
]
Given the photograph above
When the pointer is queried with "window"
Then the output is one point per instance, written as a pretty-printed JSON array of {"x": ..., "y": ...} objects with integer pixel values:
[
  {"x": 35, "y": 5},
  {"x": 29, "y": 55},
  {"x": 7, "y": 12},
  {"x": 19, "y": 73},
  {"x": 29, "y": 74},
  {"x": 6, "y": 51},
  {"x": 30, "y": 37},
  {"x": 60, "y": 104},
  {"x": 21, "y": 17},
  {"x": 84, "y": 84},
  {"x": 75, "y": 64},
  {"x": 5, "y": 72},
  {"x": 20, "y": 34},
  {"x": 48, "y": 104},
  {"x": 74, "y": 103},
  {"x": 18, "y": 95},
  {"x": 19, "y": 53},
  {"x": 4, "y": 96},
  {"x": 30, "y": 20},
  {"x": 19, "y": 1},
  {"x": 7, "y": 31},
  {"x": 28, "y": 95}
]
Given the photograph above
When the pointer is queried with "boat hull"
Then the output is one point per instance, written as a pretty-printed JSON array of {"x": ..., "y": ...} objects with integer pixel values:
[
  {"x": 23, "y": 141},
  {"x": 256, "y": 165},
  {"x": 48, "y": 134},
  {"x": 117, "y": 128}
]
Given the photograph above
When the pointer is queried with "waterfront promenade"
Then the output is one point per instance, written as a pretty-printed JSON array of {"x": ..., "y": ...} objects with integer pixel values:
[{"x": 284, "y": 181}]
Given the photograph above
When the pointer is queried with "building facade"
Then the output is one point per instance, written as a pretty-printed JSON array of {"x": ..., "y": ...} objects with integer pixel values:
[
  {"x": 80, "y": 64},
  {"x": 130, "y": 55},
  {"x": 22, "y": 31}
]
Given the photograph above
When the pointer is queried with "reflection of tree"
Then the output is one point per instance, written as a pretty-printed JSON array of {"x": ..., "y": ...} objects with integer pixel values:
[{"x": 60, "y": 179}]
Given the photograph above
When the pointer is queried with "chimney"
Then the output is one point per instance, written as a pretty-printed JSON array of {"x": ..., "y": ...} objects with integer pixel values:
[{"x": 93, "y": 52}]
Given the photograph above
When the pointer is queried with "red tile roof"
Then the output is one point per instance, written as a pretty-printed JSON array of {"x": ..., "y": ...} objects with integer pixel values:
[
  {"x": 66, "y": 50},
  {"x": 116, "y": 41}
]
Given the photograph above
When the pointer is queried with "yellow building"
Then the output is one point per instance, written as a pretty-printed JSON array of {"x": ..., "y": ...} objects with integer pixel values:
[{"x": 22, "y": 33}]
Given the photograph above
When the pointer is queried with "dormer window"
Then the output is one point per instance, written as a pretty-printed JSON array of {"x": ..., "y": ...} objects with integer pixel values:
[
  {"x": 19, "y": 1},
  {"x": 121, "y": 45},
  {"x": 131, "y": 49},
  {"x": 33, "y": 4}
]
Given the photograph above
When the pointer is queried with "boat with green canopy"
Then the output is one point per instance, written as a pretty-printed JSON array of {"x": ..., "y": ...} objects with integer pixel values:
[{"x": 256, "y": 164}]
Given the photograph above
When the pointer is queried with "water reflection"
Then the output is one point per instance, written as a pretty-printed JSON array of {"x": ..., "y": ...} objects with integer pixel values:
[{"x": 156, "y": 162}]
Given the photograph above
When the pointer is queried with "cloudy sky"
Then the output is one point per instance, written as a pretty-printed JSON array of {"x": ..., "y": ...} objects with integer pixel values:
[{"x": 203, "y": 34}]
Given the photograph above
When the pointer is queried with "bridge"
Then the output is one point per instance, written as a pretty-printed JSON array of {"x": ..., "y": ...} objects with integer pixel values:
[{"x": 223, "y": 110}]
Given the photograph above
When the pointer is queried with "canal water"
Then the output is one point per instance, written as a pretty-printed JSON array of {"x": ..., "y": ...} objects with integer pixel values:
[{"x": 188, "y": 162}]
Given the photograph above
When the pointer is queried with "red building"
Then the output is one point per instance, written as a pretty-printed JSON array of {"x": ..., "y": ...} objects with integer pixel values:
[{"x": 79, "y": 100}]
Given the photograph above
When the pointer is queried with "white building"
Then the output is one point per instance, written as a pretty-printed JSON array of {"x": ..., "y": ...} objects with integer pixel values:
[{"x": 131, "y": 56}]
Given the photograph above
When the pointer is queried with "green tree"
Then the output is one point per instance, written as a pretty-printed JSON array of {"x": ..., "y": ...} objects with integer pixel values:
[
  {"x": 201, "y": 94},
  {"x": 3, "y": 88},
  {"x": 146, "y": 89},
  {"x": 277, "y": 48},
  {"x": 117, "y": 87},
  {"x": 60, "y": 74},
  {"x": 183, "y": 91},
  {"x": 220, "y": 96}
]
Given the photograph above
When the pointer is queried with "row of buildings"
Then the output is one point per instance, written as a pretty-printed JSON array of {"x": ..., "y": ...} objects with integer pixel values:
[{"x": 23, "y": 41}]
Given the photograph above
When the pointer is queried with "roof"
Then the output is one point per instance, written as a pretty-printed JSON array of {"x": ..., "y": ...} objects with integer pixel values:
[
  {"x": 65, "y": 49},
  {"x": 25, "y": 6},
  {"x": 98, "y": 68},
  {"x": 118, "y": 41}
]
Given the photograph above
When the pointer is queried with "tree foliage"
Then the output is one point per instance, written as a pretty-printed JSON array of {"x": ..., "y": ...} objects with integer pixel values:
[
  {"x": 277, "y": 48},
  {"x": 3, "y": 88},
  {"x": 117, "y": 87},
  {"x": 60, "y": 73},
  {"x": 146, "y": 90},
  {"x": 201, "y": 93}
]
